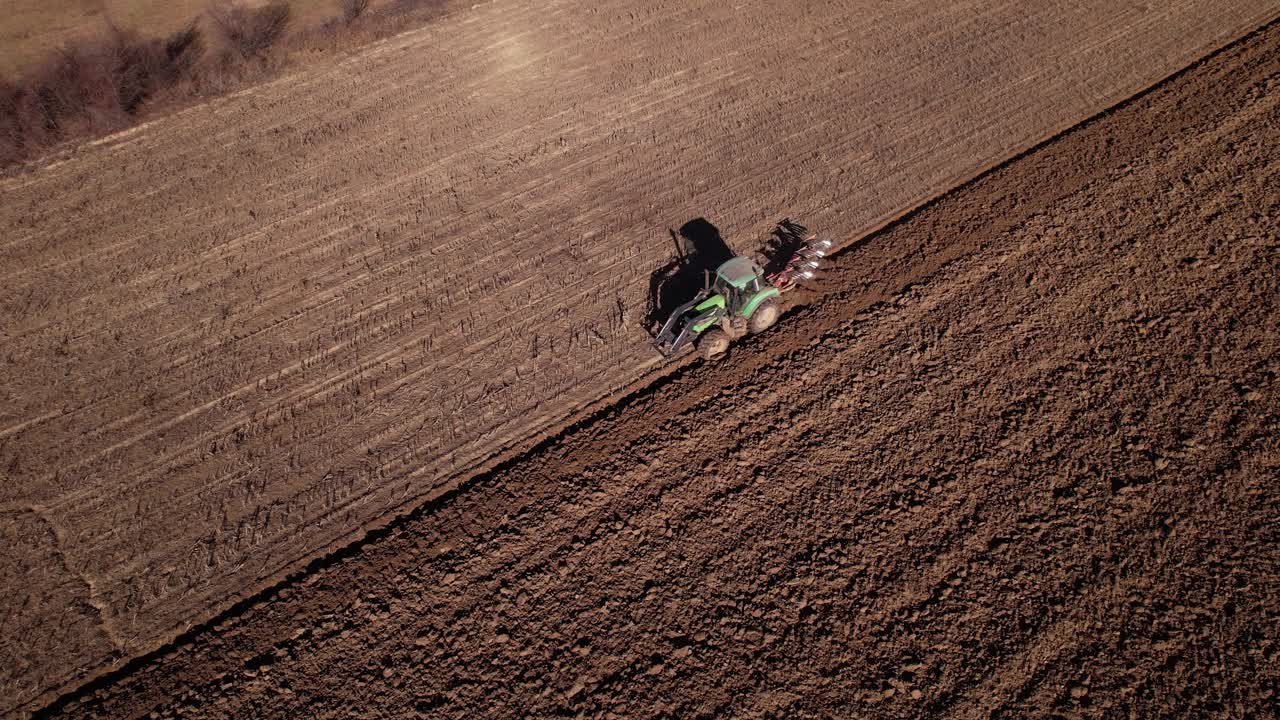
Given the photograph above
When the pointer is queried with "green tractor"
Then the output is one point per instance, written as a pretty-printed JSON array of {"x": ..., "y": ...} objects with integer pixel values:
[{"x": 739, "y": 298}]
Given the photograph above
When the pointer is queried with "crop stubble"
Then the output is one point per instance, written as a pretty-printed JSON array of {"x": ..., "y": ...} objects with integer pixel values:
[{"x": 235, "y": 337}]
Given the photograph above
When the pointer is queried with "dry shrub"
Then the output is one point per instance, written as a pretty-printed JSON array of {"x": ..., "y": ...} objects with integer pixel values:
[
  {"x": 84, "y": 84},
  {"x": 249, "y": 31},
  {"x": 101, "y": 85},
  {"x": 352, "y": 9},
  {"x": 25, "y": 124},
  {"x": 182, "y": 50},
  {"x": 11, "y": 132},
  {"x": 93, "y": 86}
]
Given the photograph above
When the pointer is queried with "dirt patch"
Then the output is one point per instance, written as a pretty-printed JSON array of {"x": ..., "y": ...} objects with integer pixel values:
[{"x": 1016, "y": 458}]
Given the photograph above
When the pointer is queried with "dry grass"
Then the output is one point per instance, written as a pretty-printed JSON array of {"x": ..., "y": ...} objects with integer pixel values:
[
  {"x": 353, "y": 9},
  {"x": 102, "y": 83},
  {"x": 91, "y": 87},
  {"x": 31, "y": 29},
  {"x": 249, "y": 31}
]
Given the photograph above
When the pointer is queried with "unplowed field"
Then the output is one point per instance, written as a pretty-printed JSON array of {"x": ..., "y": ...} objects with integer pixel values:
[{"x": 239, "y": 336}]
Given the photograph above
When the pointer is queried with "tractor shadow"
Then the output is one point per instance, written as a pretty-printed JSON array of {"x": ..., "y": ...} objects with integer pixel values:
[{"x": 699, "y": 249}]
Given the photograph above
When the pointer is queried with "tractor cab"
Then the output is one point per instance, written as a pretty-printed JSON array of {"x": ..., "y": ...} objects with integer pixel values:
[{"x": 739, "y": 281}]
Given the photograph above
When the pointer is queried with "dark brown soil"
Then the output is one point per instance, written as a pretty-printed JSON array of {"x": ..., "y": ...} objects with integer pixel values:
[{"x": 1017, "y": 457}]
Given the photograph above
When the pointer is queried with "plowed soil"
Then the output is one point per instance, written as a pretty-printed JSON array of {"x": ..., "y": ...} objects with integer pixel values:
[{"x": 1016, "y": 456}]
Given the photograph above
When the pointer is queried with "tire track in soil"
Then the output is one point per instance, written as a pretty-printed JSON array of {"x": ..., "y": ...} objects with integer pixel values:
[{"x": 1049, "y": 490}]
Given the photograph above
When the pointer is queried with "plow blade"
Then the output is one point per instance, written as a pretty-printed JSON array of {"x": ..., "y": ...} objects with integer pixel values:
[{"x": 804, "y": 260}]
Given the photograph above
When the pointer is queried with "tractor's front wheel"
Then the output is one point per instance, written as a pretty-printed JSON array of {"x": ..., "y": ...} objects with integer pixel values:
[
  {"x": 765, "y": 316},
  {"x": 713, "y": 343}
]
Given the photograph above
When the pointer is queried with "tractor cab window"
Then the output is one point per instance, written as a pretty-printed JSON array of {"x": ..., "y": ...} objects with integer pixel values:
[
  {"x": 723, "y": 288},
  {"x": 732, "y": 295}
]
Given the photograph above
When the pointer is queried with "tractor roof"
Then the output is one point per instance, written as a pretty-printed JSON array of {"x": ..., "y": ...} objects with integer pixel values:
[{"x": 738, "y": 272}]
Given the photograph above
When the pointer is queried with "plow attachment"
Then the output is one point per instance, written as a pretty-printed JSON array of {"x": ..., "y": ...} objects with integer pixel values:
[{"x": 804, "y": 260}]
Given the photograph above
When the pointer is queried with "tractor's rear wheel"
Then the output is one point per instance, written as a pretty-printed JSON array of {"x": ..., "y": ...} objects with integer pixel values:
[
  {"x": 765, "y": 316},
  {"x": 713, "y": 343}
]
